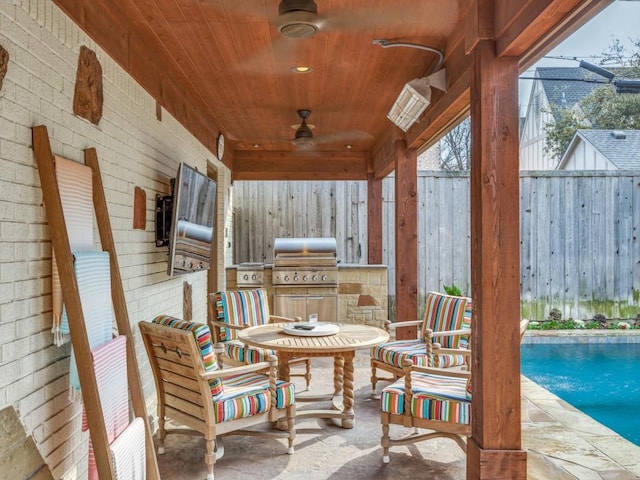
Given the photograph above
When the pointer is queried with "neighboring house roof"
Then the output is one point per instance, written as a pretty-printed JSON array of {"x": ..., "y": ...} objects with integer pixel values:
[
  {"x": 566, "y": 86},
  {"x": 621, "y": 147}
]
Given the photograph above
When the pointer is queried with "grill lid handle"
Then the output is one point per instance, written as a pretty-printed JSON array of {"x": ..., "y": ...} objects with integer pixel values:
[{"x": 305, "y": 246}]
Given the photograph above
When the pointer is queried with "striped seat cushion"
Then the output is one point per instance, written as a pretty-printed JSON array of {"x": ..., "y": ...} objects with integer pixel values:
[
  {"x": 434, "y": 397},
  {"x": 242, "y": 308},
  {"x": 240, "y": 352},
  {"x": 395, "y": 353},
  {"x": 202, "y": 335},
  {"x": 248, "y": 394}
]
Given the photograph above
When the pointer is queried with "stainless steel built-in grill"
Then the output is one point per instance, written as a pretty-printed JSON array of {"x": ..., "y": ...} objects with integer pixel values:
[
  {"x": 250, "y": 275},
  {"x": 305, "y": 278}
]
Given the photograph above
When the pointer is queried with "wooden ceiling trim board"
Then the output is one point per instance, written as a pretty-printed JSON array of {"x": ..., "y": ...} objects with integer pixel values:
[
  {"x": 442, "y": 115},
  {"x": 312, "y": 166},
  {"x": 384, "y": 151},
  {"x": 540, "y": 23}
]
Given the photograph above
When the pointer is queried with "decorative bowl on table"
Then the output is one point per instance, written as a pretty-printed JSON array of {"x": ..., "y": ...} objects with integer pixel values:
[{"x": 306, "y": 329}]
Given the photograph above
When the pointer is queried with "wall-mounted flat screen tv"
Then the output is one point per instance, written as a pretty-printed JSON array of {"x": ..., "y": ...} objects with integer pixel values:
[{"x": 191, "y": 234}]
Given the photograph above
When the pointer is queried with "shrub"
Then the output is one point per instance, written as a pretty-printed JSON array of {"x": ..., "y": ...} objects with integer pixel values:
[{"x": 452, "y": 290}]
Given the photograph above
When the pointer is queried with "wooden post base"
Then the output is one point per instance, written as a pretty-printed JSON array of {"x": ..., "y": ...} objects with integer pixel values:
[{"x": 495, "y": 464}]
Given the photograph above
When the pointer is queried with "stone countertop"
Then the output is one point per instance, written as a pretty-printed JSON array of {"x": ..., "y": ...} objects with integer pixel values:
[{"x": 269, "y": 266}]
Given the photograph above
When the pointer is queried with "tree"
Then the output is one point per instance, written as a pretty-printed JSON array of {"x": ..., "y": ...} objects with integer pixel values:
[
  {"x": 558, "y": 135},
  {"x": 611, "y": 110},
  {"x": 602, "y": 109},
  {"x": 455, "y": 147}
]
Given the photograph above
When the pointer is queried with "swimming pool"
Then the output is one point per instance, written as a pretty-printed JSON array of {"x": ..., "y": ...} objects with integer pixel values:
[{"x": 602, "y": 380}]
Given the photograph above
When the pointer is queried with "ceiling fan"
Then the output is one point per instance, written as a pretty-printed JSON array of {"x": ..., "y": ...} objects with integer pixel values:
[
  {"x": 304, "y": 135},
  {"x": 305, "y": 139},
  {"x": 298, "y": 18}
]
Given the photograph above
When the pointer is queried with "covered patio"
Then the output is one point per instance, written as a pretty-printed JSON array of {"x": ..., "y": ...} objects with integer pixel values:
[{"x": 242, "y": 91}]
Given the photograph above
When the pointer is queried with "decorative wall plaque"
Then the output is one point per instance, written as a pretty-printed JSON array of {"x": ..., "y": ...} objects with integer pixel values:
[
  {"x": 87, "y": 98},
  {"x": 4, "y": 63}
]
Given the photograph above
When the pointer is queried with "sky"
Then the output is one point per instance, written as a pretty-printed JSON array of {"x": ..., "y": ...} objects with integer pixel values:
[{"x": 620, "y": 20}]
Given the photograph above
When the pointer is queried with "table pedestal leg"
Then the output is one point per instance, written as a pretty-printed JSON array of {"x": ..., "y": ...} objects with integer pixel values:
[
  {"x": 338, "y": 375},
  {"x": 347, "y": 399},
  {"x": 284, "y": 373}
]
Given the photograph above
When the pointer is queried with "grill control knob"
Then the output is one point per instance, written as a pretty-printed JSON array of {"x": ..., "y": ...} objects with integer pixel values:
[
  {"x": 324, "y": 278},
  {"x": 245, "y": 276},
  {"x": 286, "y": 278},
  {"x": 305, "y": 278},
  {"x": 296, "y": 278},
  {"x": 254, "y": 277},
  {"x": 314, "y": 278}
]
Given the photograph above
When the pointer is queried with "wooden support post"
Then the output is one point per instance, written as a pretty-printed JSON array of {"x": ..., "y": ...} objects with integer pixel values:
[
  {"x": 374, "y": 220},
  {"x": 406, "y": 186},
  {"x": 120, "y": 309},
  {"x": 79, "y": 338},
  {"x": 494, "y": 451}
]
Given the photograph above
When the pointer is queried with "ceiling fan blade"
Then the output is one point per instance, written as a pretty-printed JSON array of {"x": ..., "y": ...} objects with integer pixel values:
[{"x": 347, "y": 137}]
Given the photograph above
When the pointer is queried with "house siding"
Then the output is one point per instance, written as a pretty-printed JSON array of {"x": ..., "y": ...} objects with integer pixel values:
[
  {"x": 532, "y": 138},
  {"x": 134, "y": 149},
  {"x": 583, "y": 156}
]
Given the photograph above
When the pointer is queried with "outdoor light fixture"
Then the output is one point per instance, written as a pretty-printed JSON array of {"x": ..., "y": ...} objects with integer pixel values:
[{"x": 414, "y": 98}]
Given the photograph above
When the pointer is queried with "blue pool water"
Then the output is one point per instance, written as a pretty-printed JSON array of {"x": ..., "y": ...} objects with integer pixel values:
[{"x": 601, "y": 379}]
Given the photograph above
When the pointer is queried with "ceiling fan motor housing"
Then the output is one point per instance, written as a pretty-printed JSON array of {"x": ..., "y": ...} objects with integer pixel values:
[
  {"x": 298, "y": 18},
  {"x": 304, "y": 135}
]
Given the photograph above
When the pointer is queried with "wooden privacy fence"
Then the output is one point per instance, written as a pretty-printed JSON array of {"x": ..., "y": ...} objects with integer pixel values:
[{"x": 578, "y": 233}]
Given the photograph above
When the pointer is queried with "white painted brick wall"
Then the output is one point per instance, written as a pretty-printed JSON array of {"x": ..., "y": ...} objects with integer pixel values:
[{"x": 134, "y": 149}]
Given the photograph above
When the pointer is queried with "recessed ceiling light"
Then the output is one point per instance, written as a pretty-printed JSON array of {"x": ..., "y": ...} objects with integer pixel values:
[
  {"x": 302, "y": 69},
  {"x": 256, "y": 145},
  {"x": 348, "y": 146}
]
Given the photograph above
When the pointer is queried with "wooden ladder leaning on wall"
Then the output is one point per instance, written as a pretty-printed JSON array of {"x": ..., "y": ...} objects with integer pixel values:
[{"x": 79, "y": 338}]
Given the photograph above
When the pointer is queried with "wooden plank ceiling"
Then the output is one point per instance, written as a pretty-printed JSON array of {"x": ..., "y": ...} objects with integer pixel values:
[{"x": 223, "y": 66}]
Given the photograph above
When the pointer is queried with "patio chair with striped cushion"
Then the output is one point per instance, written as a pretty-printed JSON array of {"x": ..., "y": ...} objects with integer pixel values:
[
  {"x": 435, "y": 399},
  {"x": 234, "y": 310},
  {"x": 193, "y": 391},
  {"x": 446, "y": 325}
]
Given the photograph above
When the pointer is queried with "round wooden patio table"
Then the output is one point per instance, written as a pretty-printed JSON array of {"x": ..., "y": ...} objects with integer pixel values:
[{"x": 341, "y": 346}]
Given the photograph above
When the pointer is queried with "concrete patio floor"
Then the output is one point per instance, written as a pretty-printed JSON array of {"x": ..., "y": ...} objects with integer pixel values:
[{"x": 562, "y": 443}]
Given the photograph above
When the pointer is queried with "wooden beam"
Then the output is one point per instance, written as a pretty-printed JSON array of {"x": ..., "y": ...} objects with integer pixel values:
[
  {"x": 374, "y": 220},
  {"x": 120, "y": 309},
  {"x": 270, "y": 165},
  {"x": 478, "y": 23},
  {"x": 495, "y": 268},
  {"x": 406, "y": 228},
  {"x": 530, "y": 28},
  {"x": 444, "y": 115}
]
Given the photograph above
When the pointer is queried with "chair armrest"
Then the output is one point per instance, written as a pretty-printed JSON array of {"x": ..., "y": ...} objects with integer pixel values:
[
  {"x": 232, "y": 371},
  {"x": 430, "y": 335},
  {"x": 279, "y": 319},
  {"x": 408, "y": 367},
  {"x": 392, "y": 327},
  {"x": 410, "y": 323},
  {"x": 218, "y": 323},
  {"x": 450, "y": 333}
]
